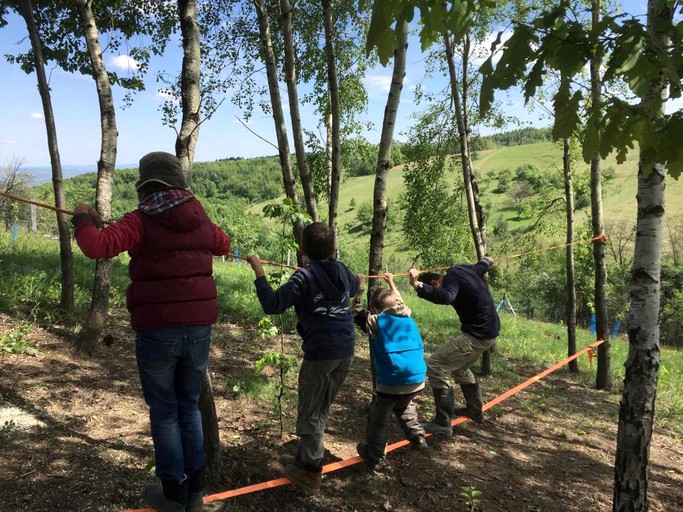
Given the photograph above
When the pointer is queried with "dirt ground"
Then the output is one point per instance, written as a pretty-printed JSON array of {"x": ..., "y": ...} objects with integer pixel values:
[{"x": 74, "y": 436}]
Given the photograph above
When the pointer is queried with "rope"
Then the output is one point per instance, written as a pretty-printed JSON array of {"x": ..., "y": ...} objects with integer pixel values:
[
  {"x": 30, "y": 201},
  {"x": 598, "y": 238},
  {"x": 335, "y": 466}
]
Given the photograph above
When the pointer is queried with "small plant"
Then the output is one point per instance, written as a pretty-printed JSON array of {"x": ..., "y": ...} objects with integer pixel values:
[
  {"x": 8, "y": 427},
  {"x": 16, "y": 342},
  {"x": 283, "y": 363},
  {"x": 470, "y": 496}
]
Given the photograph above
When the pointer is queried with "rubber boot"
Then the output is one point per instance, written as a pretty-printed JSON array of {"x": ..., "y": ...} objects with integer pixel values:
[
  {"x": 441, "y": 424},
  {"x": 473, "y": 401}
]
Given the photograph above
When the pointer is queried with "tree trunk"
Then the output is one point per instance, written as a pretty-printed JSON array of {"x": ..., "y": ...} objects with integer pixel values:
[
  {"x": 379, "y": 217},
  {"x": 329, "y": 142},
  {"x": 94, "y": 324},
  {"x": 293, "y": 95},
  {"x": 65, "y": 253},
  {"x": 278, "y": 116},
  {"x": 569, "y": 257},
  {"x": 474, "y": 208},
  {"x": 186, "y": 142},
  {"x": 333, "y": 87},
  {"x": 636, "y": 414},
  {"x": 212, "y": 439},
  {"x": 604, "y": 377}
]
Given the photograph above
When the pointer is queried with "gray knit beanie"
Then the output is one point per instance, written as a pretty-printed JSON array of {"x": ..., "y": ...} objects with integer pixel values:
[{"x": 161, "y": 167}]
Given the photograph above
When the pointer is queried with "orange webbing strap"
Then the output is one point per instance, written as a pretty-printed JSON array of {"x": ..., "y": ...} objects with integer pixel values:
[
  {"x": 538, "y": 377},
  {"x": 335, "y": 466}
]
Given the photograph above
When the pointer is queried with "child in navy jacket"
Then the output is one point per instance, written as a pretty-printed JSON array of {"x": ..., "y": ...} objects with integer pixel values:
[
  {"x": 398, "y": 354},
  {"x": 321, "y": 296}
]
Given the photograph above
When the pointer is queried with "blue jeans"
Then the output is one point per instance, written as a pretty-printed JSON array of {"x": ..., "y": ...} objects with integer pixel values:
[{"x": 172, "y": 363}]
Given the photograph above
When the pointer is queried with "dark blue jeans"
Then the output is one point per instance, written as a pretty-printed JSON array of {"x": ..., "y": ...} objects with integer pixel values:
[{"x": 172, "y": 364}]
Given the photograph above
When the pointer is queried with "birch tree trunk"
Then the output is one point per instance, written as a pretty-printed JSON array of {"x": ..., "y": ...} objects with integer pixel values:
[
  {"x": 636, "y": 413},
  {"x": 186, "y": 142},
  {"x": 94, "y": 324},
  {"x": 25, "y": 8},
  {"x": 379, "y": 217},
  {"x": 569, "y": 256},
  {"x": 603, "y": 377},
  {"x": 284, "y": 154},
  {"x": 333, "y": 87},
  {"x": 293, "y": 95},
  {"x": 474, "y": 208}
]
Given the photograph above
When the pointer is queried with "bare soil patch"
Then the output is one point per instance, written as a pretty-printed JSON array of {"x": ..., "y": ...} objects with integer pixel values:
[{"x": 74, "y": 436}]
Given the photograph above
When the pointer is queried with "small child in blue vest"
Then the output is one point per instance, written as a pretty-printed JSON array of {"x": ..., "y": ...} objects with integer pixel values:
[
  {"x": 321, "y": 295},
  {"x": 398, "y": 354}
]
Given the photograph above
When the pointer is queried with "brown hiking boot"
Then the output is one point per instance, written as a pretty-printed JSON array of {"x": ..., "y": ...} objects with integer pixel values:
[
  {"x": 286, "y": 459},
  {"x": 309, "y": 481}
]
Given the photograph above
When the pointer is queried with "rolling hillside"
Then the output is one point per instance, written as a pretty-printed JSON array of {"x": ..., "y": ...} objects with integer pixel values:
[{"x": 619, "y": 195}]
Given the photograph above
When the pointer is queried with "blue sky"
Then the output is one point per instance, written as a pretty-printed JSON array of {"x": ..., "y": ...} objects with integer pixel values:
[{"x": 22, "y": 128}]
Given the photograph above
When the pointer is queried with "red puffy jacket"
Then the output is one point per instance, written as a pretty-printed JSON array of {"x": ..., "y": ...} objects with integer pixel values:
[{"x": 171, "y": 263}]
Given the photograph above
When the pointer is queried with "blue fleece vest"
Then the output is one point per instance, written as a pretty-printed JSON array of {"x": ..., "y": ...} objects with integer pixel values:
[{"x": 398, "y": 351}]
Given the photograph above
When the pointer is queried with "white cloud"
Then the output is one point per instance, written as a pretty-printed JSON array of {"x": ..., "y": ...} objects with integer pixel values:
[
  {"x": 125, "y": 62},
  {"x": 37, "y": 115},
  {"x": 381, "y": 82},
  {"x": 482, "y": 50},
  {"x": 672, "y": 106},
  {"x": 9, "y": 141}
]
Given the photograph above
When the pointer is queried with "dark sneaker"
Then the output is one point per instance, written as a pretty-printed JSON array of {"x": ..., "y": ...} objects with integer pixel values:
[
  {"x": 154, "y": 497},
  {"x": 370, "y": 464},
  {"x": 438, "y": 429},
  {"x": 195, "y": 502},
  {"x": 419, "y": 443},
  {"x": 309, "y": 481},
  {"x": 286, "y": 459}
]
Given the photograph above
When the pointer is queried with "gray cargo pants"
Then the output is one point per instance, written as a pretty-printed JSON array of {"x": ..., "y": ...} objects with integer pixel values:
[
  {"x": 454, "y": 358},
  {"x": 319, "y": 382}
]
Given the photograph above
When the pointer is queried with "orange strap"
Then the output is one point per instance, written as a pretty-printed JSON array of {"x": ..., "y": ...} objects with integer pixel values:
[{"x": 335, "y": 466}]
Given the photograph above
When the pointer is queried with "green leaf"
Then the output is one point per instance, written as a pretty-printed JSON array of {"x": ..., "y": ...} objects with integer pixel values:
[
  {"x": 566, "y": 111},
  {"x": 486, "y": 91}
]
